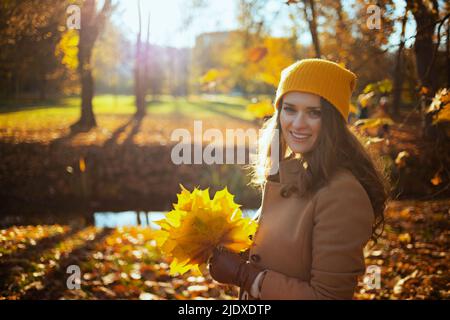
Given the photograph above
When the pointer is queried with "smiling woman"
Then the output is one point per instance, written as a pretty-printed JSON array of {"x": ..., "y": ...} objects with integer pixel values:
[{"x": 324, "y": 204}]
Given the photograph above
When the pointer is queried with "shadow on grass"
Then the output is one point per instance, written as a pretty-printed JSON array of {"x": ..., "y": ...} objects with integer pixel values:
[
  {"x": 16, "y": 106},
  {"x": 213, "y": 107},
  {"x": 135, "y": 123}
]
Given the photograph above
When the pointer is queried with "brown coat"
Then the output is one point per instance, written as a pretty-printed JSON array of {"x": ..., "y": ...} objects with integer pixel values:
[{"x": 312, "y": 246}]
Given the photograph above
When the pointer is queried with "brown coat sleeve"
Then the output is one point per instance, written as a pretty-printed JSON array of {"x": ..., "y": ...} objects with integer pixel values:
[{"x": 342, "y": 226}]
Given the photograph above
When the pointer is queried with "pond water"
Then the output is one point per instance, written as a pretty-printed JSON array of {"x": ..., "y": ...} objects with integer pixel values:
[{"x": 133, "y": 218}]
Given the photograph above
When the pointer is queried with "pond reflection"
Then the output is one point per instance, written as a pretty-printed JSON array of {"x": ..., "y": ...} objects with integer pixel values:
[
  {"x": 133, "y": 218},
  {"x": 127, "y": 218}
]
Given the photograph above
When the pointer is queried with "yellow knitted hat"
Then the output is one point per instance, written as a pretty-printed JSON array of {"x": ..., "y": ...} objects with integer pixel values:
[{"x": 321, "y": 77}]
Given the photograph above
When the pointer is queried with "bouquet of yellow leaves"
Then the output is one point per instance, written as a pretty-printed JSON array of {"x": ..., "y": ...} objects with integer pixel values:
[{"x": 190, "y": 232}]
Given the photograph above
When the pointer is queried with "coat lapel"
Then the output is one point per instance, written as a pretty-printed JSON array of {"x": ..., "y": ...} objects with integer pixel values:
[{"x": 289, "y": 170}]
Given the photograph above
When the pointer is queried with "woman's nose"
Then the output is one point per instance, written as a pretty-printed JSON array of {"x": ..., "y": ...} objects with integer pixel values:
[{"x": 300, "y": 120}]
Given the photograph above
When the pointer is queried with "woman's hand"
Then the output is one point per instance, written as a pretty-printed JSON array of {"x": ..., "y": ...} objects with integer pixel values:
[{"x": 230, "y": 268}]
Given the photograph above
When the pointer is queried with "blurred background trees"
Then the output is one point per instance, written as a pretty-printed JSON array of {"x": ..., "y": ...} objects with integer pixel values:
[
  {"x": 398, "y": 48},
  {"x": 39, "y": 54},
  {"x": 30, "y": 32}
]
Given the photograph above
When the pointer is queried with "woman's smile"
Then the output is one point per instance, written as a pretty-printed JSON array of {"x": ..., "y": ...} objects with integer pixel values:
[{"x": 299, "y": 136}]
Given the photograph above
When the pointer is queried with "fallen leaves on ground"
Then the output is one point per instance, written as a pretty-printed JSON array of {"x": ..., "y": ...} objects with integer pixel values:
[
  {"x": 125, "y": 263},
  {"x": 413, "y": 252},
  {"x": 18, "y": 238}
]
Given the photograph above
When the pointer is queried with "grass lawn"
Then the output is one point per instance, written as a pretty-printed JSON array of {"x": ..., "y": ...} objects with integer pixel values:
[{"x": 48, "y": 121}]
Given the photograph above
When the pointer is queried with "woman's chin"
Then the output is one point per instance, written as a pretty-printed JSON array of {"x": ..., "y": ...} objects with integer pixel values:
[{"x": 299, "y": 148}]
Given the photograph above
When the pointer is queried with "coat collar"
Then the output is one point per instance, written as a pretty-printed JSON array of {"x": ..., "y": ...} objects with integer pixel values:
[{"x": 289, "y": 169}]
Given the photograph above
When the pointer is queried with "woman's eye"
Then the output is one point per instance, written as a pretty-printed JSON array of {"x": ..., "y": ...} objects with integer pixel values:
[
  {"x": 288, "y": 109},
  {"x": 315, "y": 113}
]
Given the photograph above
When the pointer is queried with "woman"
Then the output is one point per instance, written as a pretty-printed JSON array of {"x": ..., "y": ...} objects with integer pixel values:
[{"x": 324, "y": 204}]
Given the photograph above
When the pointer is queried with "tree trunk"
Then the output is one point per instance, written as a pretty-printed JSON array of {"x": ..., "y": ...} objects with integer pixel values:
[
  {"x": 312, "y": 24},
  {"x": 426, "y": 19},
  {"x": 138, "y": 86},
  {"x": 398, "y": 71},
  {"x": 87, "y": 119},
  {"x": 140, "y": 69},
  {"x": 91, "y": 24},
  {"x": 340, "y": 30}
]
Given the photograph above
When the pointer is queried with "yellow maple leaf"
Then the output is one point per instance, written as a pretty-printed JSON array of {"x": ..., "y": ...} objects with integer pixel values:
[{"x": 190, "y": 232}]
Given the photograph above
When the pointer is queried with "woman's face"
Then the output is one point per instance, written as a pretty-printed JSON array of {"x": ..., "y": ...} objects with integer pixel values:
[{"x": 300, "y": 119}]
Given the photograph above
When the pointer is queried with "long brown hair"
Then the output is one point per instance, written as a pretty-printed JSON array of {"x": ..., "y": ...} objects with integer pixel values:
[{"x": 337, "y": 147}]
